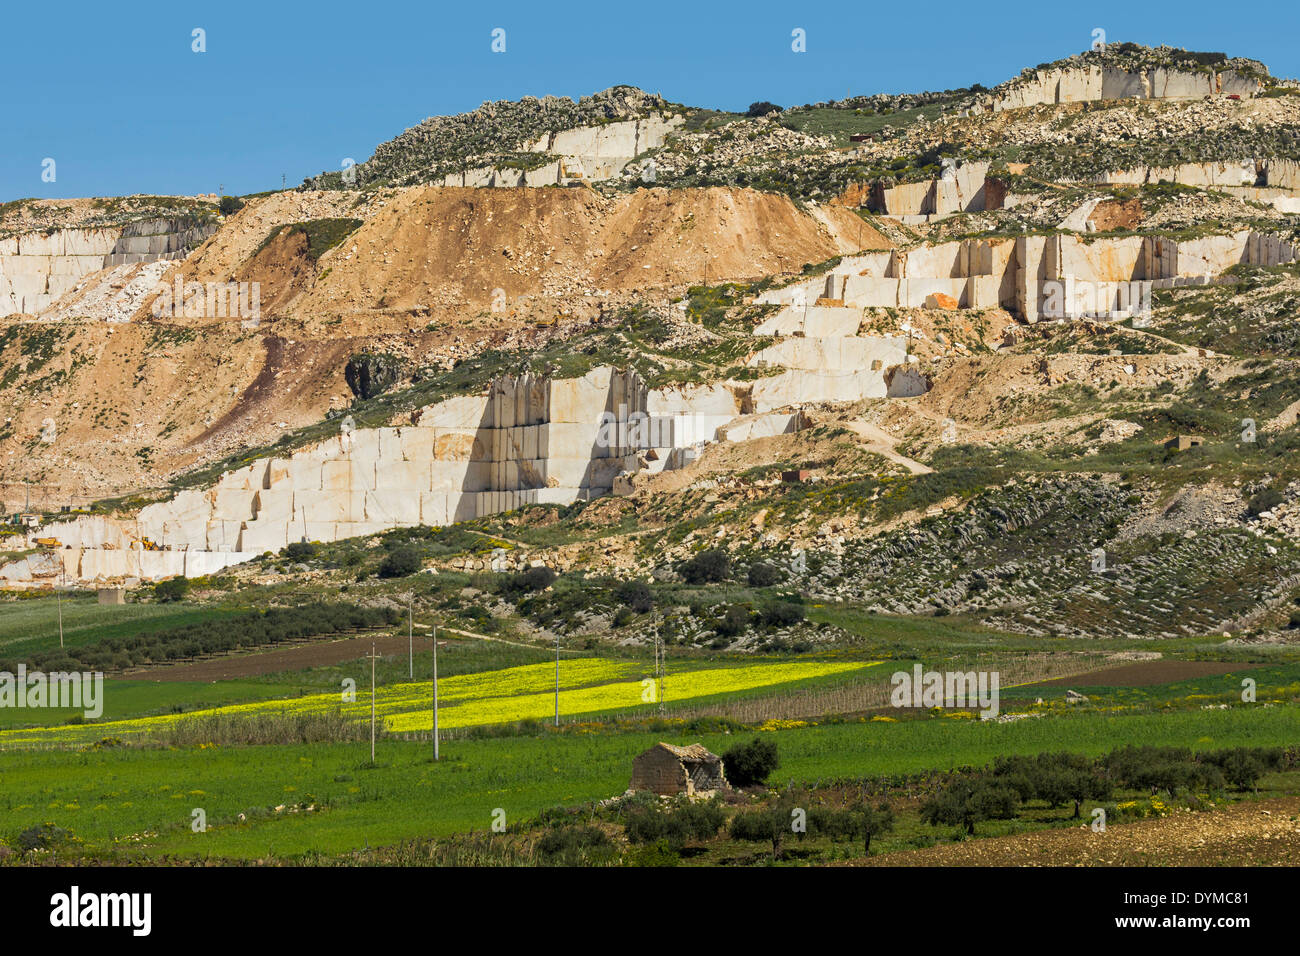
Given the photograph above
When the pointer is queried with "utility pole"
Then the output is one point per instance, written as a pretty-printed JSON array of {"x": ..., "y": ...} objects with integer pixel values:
[
  {"x": 435, "y": 692},
  {"x": 410, "y": 631},
  {"x": 63, "y": 574},
  {"x": 373, "y": 657},
  {"x": 557, "y": 678},
  {"x": 661, "y": 655}
]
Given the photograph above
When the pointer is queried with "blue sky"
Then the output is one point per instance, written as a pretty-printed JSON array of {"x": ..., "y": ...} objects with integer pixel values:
[{"x": 115, "y": 95}]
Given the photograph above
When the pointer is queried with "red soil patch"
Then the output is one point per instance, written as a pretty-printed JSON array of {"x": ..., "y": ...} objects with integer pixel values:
[
  {"x": 295, "y": 658},
  {"x": 1148, "y": 673}
]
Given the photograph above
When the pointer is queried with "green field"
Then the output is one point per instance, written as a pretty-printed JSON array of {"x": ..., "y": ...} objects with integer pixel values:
[{"x": 138, "y": 801}]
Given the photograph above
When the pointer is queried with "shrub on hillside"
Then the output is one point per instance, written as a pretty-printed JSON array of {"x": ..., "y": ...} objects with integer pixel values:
[
  {"x": 635, "y": 595},
  {"x": 734, "y": 621},
  {"x": 706, "y": 567},
  {"x": 762, "y": 108},
  {"x": 782, "y": 614},
  {"x": 171, "y": 590},
  {"x": 1266, "y": 500},
  {"x": 763, "y": 574},
  {"x": 299, "y": 550},
  {"x": 400, "y": 562},
  {"x": 527, "y": 582}
]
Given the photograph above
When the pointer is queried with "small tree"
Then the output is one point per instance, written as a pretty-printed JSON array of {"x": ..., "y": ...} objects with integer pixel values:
[
  {"x": 965, "y": 803},
  {"x": 782, "y": 614},
  {"x": 1266, "y": 500},
  {"x": 1243, "y": 766},
  {"x": 750, "y": 764},
  {"x": 771, "y": 824},
  {"x": 858, "y": 822},
  {"x": 763, "y": 574},
  {"x": 762, "y": 108},
  {"x": 734, "y": 621}
]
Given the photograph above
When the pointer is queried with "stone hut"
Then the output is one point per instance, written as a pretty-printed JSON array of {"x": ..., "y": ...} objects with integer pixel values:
[{"x": 667, "y": 770}]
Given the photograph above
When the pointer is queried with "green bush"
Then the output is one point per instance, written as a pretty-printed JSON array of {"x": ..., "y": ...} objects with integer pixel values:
[
  {"x": 1266, "y": 500},
  {"x": 782, "y": 614},
  {"x": 401, "y": 562},
  {"x": 734, "y": 621},
  {"x": 526, "y": 582},
  {"x": 763, "y": 574},
  {"x": 171, "y": 590},
  {"x": 750, "y": 764},
  {"x": 635, "y": 595},
  {"x": 676, "y": 827},
  {"x": 706, "y": 567},
  {"x": 576, "y": 846},
  {"x": 300, "y": 550}
]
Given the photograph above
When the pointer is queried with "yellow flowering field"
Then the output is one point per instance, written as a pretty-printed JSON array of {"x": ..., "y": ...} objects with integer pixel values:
[
  {"x": 685, "y": 685},
  {"x": 587, "y": 686}
]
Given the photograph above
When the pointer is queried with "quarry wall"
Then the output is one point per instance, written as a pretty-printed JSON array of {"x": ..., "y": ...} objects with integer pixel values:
[
  {"x": 591, "y": 153},
  {"x": 36, "y": 268},
  {"x": 1085, "y": 83},
  {"x": 527, "y": 440},
  {"x": 1023, "y": 275}
]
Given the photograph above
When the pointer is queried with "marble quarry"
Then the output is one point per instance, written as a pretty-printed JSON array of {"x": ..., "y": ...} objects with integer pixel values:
[
  {"x": 1026, "y": 275},
  {"x": 585, "y": 153},
  {"x": 963, "y": 188},
  {"x": 1273, "y": 181},
  {"x": 36, "y": 268},
  {"x": 525, "y": 441},
  {"x": 1087, "y": 83}
]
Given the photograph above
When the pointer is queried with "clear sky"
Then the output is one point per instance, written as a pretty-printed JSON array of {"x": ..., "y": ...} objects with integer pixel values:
[{"x": 115, "y": 95}]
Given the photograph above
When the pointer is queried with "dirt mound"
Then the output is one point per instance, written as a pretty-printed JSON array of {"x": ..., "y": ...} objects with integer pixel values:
[
  {"x": 530, "y": 252},
  {"x": 283, "y": 267}
]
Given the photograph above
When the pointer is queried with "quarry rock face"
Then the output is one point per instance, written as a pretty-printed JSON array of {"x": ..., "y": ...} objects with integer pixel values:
[
  {"x": 1087, "y": 83},
  {"x": 36, "y": 268},
  {"x": 1021, "y": 275}
]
